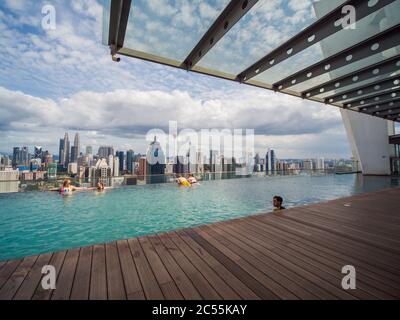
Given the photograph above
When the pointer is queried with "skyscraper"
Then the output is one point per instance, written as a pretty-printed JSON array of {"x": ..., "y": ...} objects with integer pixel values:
[
  {"x": 16, "y": 155},
  {"x": 38, "y": 152},
  {"x": 24, "y": 156},
  {"x": 156, "y": 163},
  {"x": 61, "y": 151},
  {"x": 66, "y": 148},
  {"x": 76, "y": 149},
  {"x": 89, "y": 150},
  {"x": 129, "y": 161},
  {"x": 105, "y": 151},
  {"x": 270, "y": 161},
  {"x": 121, "y": 156}
]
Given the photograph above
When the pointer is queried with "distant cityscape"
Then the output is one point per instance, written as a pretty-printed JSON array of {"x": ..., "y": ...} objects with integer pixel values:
[{"x": 117, "y": 167}]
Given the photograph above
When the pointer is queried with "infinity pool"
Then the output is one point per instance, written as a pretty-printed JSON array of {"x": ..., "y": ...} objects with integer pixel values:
[{"x": 38, "y": 222}]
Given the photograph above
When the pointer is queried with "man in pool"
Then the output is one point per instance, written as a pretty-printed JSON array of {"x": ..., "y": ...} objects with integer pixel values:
[{"x": 277, "y": 202}]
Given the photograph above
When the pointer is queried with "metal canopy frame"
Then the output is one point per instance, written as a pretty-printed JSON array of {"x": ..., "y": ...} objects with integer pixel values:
[
  {"x": 318, "y": 31},
  {"x": 381, "y": 106},
  {"x": 374, "y": 87},
  {"x": 380, "y": 42},
  {"x": 387, "y": 66},
  {"x": 233, "y": 12},
  {"x": 385, "y": 95}
]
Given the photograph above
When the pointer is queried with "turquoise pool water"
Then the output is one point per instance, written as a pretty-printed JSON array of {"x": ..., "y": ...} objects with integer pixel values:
[{"x": 38, "y": 222}]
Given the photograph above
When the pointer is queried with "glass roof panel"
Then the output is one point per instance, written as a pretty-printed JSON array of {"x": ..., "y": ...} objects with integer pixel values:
[
  {"x": 266, "y": 26},
  {"x": 106, "y": 21},
  {"x": 356, "y": 85},
  {"x": 365, "y": 28},
  {"x": 346, "y": 69},
  {"x": 170, "y": 28}
]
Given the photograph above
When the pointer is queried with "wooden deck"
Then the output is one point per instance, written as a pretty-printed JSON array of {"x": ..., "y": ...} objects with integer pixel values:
[{"x": 296, "y": 254}]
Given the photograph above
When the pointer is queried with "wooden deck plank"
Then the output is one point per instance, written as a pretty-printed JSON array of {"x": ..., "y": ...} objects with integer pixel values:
[
  {"x": 32, "y": 280},
  {"x": 56, "y": 261},
  {"x": 198, "y": 280},
  {"x": 151, "y": 287},
  {"x": 115, "y": 283},
  {"x": 297, "y": 253},
  {"x": 132, "y": 283},
  {"x": 296, "y": 282},
  {"x": 13, "y": 283},
  {"x": 81, "y": 285},
  {"x": 66, "y": 276},
  {"x": 224, "y": 290},
  {"x": 188, "y": 290},
  {"x": 339, "y": 244},
  {"x": 304, "y": 257},
  {"x": 8, "y": 269},
  {"x": 262, "y": 284},
  {"x": 167, "y": 285},
  {"x": 98, "y": 276},
  {"x": 241, "y": 289},
  {"x": 319, "y": 248}
]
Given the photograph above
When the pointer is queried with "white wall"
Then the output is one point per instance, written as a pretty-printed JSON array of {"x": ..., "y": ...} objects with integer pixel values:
[{"x": 368, "y": 138}]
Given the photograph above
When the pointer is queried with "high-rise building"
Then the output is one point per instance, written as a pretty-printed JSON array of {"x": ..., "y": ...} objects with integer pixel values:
[
  {"x": 16, "y": 156},
  {"x": 257, "y": 164},
  {"x": 116, "y": 167},
  {"x": 89, "y": 150},
  {"x": 64, "y": 160},
  {"x": 308, "y": 164},
  {"x": 61, "y": 151},
  {"x": 270, "y": 161},
  {"x": 321, "y": 164},
  {"x": 142, "y": 169},
  {"x": 121, "y": 157},
  {"x": 105, "y": 151},
  {"x": 77, "y": 145},
  {"x": 24, "y": 156},
  {"x": 38, "y": 152},
  {"x": 156, "y": 163},
  {"x": 129, "y": 161},
  {"x": 74, "y": 155}
]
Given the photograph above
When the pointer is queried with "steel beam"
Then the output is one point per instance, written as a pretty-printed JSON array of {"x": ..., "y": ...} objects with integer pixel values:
[
  {"x": 383, "y": 97},
  {"x": 380, "y": 106},
  {"x": 392, "y": 113},
  {"x": 119, "y": 16},
  {"x": 381, "y": 68},
  {"x": 319, "y": 30},
  {"x": 377, "y": 86},
  {"x": 380, "y": 42},
  {"x": 233, "y": 12}
]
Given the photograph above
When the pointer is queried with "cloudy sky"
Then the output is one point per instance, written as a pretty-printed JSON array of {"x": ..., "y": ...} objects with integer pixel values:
[{"x": 52, "y": 81}]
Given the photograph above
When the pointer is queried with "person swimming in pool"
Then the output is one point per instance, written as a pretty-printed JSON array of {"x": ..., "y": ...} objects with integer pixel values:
[
  {"x": 182, "y": 181},
  {"x": 277, "y": 203},
  {"x": 192, "y": 179},
  {"x": 100, "y": 186},
  {"x": 67, "y": 187}
]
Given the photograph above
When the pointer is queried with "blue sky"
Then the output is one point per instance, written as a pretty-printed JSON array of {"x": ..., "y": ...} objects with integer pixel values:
[{"x": 63, "y": 79}]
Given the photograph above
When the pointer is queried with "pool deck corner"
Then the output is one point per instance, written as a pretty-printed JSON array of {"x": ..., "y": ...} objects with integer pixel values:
[{"x": 298, "y": 253}]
